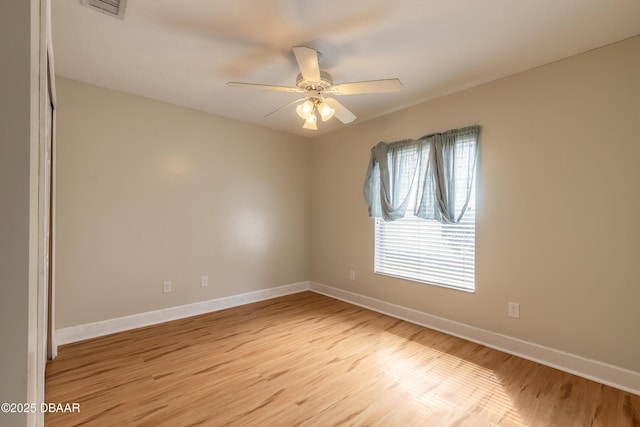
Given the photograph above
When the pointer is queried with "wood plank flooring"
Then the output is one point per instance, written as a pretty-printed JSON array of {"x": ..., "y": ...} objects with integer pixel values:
[{"x": 309, "y": 360}]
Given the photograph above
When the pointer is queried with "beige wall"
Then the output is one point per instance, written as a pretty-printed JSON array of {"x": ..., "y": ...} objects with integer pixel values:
[
  {"x": 149, "y": 192},
  {"x": 14, "y": 193},
  {"x": 19, "y": 97},
  {"x": 558, "y": 205}
]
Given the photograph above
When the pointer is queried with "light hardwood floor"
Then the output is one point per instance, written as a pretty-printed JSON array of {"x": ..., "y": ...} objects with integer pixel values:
[{"x": 310, "y": 360}]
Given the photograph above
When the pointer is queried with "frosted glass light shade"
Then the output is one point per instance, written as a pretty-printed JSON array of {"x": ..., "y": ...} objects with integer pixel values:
[
  {"x": 310, "y": 122},
  {"x": 325, "y": 111},
  {"x": 305, "y": 109}
]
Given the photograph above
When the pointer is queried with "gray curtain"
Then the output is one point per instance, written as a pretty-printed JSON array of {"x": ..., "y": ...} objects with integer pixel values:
[{"x": 432, "y": 176}]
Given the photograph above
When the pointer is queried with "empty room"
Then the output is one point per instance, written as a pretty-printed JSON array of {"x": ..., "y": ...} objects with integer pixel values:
[{"x": 295, "y": 213}]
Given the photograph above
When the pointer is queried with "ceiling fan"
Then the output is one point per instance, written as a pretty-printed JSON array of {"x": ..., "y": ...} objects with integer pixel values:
[{"x": 317, "y": 85}]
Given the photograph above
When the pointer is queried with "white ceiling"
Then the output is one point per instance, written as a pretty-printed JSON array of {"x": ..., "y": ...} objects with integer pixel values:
[{"x": 184, "y": 51}]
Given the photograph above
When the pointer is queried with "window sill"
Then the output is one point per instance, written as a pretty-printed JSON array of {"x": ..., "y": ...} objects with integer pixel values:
[{"x": 441, "y": 285}]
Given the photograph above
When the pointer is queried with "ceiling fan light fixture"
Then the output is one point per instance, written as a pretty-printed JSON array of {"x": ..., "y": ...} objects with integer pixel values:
[
  {"x": 305, "y": 110},
  {"x": 326, "y": 112},
  {"x": 316, "y": 84},
  {"x": 310, "y": 122}
]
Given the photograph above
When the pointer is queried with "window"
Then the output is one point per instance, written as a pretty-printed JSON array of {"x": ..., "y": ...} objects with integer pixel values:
[
  {"x": 425, "y": 210},
  {"x": 428, "y": 251}
]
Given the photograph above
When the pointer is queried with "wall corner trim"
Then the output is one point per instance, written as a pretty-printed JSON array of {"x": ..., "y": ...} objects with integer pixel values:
[
  {"x": 119, "y": 324},
  {"x": 601, "y": 372}
]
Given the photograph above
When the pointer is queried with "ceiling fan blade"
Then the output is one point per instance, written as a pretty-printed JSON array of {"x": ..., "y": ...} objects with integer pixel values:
[
  {"x": 286, "y": 106},
  {"x": 308, "y": 62},
  {"x": 266, "y": 87},
  {"x": 342, "y": 113},
  {"x": 371, "y": 86}
]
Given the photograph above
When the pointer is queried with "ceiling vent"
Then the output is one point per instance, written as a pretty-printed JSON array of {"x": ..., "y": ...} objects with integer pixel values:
[{"x": 113, "y": 8}]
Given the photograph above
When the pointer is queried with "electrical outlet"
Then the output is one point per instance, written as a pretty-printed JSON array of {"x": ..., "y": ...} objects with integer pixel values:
[
  {"x": 514, "y": 310},
  {"x": 352, "y": 274},
  {"x": 166, "y": 286},
  {"x": 204, "y": 281}
]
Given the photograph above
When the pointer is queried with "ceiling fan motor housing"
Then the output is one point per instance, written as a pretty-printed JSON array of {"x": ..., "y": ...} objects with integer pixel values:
[{"x": 325, "y": 82}]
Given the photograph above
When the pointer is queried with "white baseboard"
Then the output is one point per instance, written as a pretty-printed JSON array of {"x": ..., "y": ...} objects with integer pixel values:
[
  {"x": 604, "y": 373},
  {"x": 119, "y": 324}
]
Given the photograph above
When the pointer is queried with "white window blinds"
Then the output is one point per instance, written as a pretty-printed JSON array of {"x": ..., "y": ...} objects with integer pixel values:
[{"x": 427, "y": 250}]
